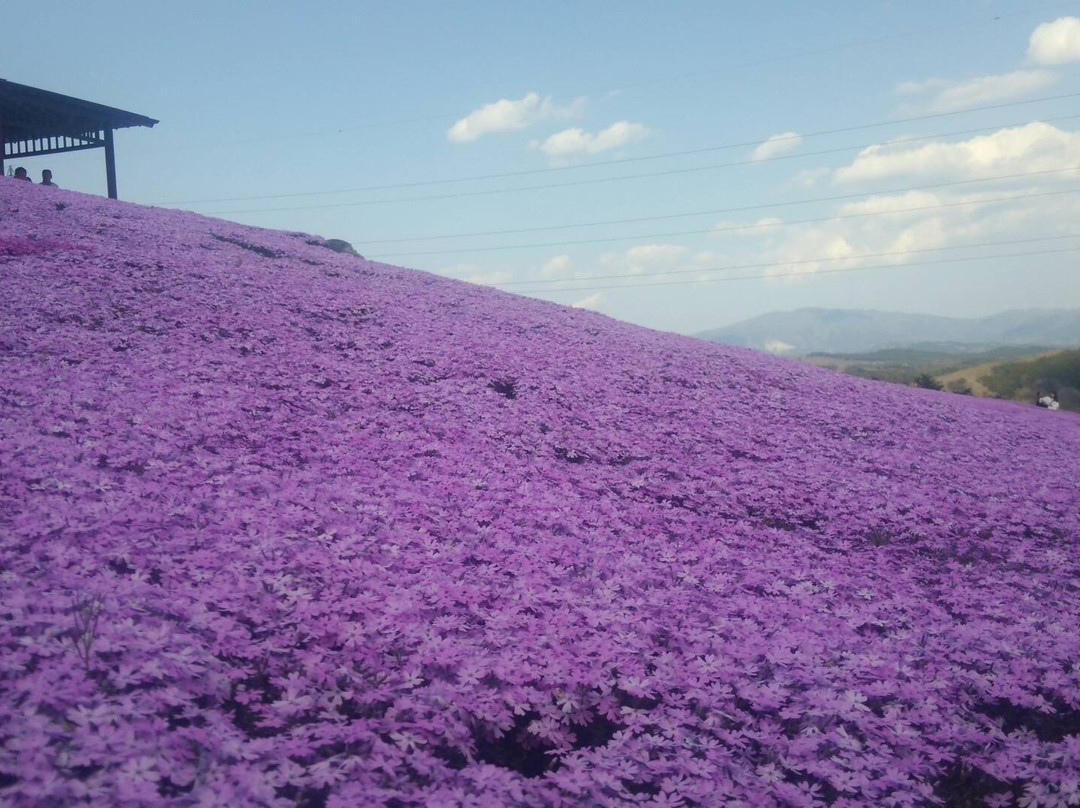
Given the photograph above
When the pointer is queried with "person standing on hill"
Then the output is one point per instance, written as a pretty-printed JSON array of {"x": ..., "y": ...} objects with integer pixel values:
[
  {"x": 46, "y": 179},
  {"x": 20, "y": 174}
]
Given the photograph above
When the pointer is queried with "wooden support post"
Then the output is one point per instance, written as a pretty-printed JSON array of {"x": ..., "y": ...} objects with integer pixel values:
[{"x": 110, "y": 163}]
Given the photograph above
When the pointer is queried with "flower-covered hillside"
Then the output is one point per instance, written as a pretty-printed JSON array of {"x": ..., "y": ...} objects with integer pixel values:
[{"x": 283, "y": 527}]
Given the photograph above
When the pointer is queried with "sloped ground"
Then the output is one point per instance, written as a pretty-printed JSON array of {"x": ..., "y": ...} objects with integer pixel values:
[
  {"x": 284, "y": 527},
  {"x": 972, "y": 376}
]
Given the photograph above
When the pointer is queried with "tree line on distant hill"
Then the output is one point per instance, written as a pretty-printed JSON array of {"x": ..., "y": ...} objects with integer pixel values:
[
  {"x": 1009, "y": 376},
  {"x": 1021, "y": 379}
]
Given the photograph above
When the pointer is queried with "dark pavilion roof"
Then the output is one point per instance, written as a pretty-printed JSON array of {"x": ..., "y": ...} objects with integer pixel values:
[{"x": 28, "y": 113}]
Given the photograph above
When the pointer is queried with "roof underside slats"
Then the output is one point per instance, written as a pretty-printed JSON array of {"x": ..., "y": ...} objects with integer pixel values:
[{"x": 28, "y": 113}]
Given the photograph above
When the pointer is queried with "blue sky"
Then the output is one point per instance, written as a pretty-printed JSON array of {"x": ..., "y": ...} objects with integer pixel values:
[{"x": 290, "y": 101}]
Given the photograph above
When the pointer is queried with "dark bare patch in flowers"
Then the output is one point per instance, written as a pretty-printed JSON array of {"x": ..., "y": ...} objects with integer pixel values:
[
  {"x": 572, "y": 456},
  {"x": 517, "y": 749},
  {"x": 964, "y": 786},
  {"x": 265, "y": 252},
  {"x": 595, "y": 734},
  {"x": 306, "y": 796},
  {"x": 507, "y": 388},
  {"x": 1052, "y": 727}
]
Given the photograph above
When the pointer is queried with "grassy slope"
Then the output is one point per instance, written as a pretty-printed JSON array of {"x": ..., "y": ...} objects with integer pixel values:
[
  {"x": 974, "y": 373},
  {"x": 903, "y": 366}
]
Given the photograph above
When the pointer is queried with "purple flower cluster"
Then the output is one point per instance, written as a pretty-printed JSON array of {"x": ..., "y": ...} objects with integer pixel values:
[{"x": 283, "y": 527}]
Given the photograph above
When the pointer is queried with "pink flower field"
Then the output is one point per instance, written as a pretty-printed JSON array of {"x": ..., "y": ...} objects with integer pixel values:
[{"x": 285, "y": 527}]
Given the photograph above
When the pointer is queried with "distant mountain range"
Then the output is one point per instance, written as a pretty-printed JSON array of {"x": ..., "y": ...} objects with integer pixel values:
[{"x": 817, "y": 330}]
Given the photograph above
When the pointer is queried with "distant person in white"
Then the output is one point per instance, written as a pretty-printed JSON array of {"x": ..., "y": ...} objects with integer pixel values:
[
  {"x": 1049, "y": 401},
  {"x": 46, "y": 179}
]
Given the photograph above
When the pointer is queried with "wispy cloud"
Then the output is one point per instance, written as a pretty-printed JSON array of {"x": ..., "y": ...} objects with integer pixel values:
[
  {"x": 641, "y": 259},
  {"x": 809, "y": 177},
  {"x": 475, "y": 274},
  {"x": 895, "y": 229},
  {"x": 555, "y": 267},
  {"x": 507, "y": 115},
  {"x": 729, "y": 228},
  {"x": 575, "y": 141},
  {"x": 777, "y": 145},
  {"x": 653, "y": 257},
  {"x": 948, "y": 95}
]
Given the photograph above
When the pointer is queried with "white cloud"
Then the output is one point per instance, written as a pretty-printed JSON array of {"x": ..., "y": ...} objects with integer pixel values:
[
  {"x": 577, "y": 141},
  {"x": 474, "y": 274},
  {"x": 1055, "y": 43},
  {"x": 589, "y": 302},
  {"x": 507, "y": 115},
  {"x": 916, "y": 87},
  {"x": 652, "y": 257},
  {"x": 895, "y": 203},
  {"x": 554, "y": 267},
  {"x": 777, "y": 145},
  {"x": 946, "y": 95},
  {"x": 1036, "y": 146},
  {"x": 948, "y": 219},
  {"x": 809, "y": 177},
  {"x": 638, "y": 260}
]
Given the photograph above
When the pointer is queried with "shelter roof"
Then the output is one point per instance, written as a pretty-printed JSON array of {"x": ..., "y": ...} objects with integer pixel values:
[{"x": 28, "y": 113}]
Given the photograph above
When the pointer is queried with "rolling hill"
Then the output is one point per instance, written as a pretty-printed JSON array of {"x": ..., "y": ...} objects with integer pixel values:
[
  {"x": 816, "y": 330},
  {"x": 973, "y": 375},
  {"x": 281, "y": 526}
]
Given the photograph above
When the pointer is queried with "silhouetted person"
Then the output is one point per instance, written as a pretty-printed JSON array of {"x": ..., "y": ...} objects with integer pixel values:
[
  {"x": 46, "y": 179},
  {"x": 20, "y": 174}
]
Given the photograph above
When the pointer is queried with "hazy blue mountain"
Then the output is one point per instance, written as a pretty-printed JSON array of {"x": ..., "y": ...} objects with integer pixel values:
[{"x": 819, "y": 330}]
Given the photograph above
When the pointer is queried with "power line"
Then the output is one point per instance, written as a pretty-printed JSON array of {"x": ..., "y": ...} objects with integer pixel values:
[
  {"x": 712, "y": 212},
  {"x": 633, "y": 85},
  {"x": 805, "y": 274},
  {"x": 597, "y": 180},
  {"x": 602, "y": 163},
  {"x": 731, "y": 228},
  {"x": 842, "y": 46},
  {"x": 765, "y": 264}
]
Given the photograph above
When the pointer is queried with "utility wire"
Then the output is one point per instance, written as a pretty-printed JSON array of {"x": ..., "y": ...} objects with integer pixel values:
[
  {"x": 645, "y": 83},
  {"x": 713, "y": 212},
  {"x": 601, "y": 163},
  {"x": 765, "y": 264},
  {"x": 839, "y": 47},
  {"x": 596, "y": 180},
  {"x": 805, "y": 274},
  {"x": 669, "y": 234}
]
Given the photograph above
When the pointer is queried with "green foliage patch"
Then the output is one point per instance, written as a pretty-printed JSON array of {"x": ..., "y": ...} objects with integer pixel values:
[{"x": 1021, "y": 379}]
